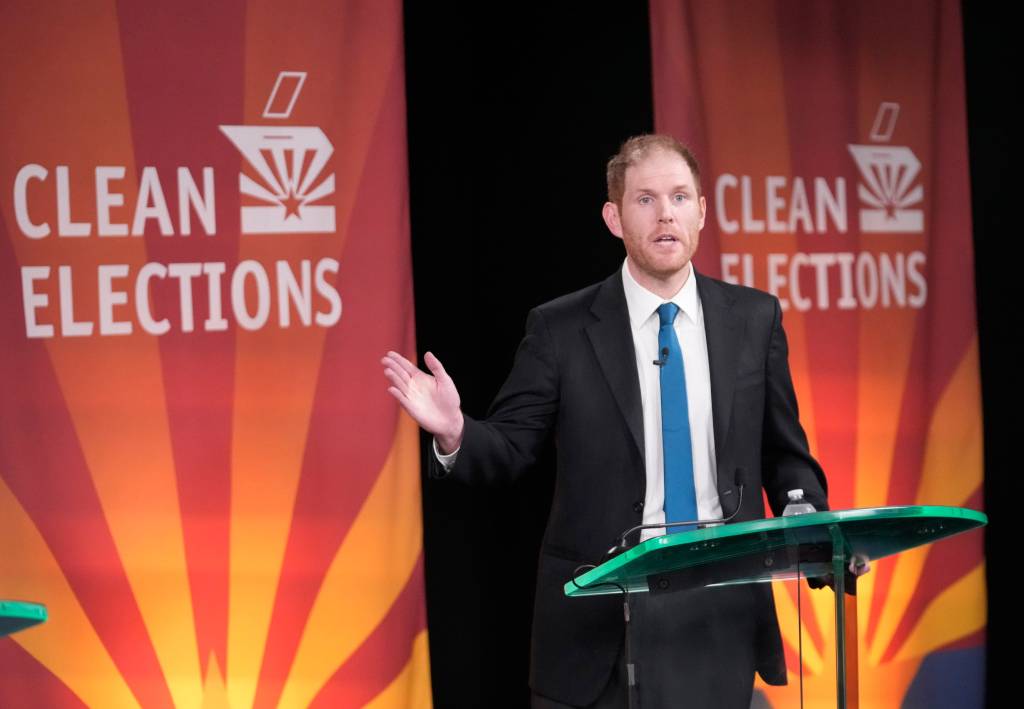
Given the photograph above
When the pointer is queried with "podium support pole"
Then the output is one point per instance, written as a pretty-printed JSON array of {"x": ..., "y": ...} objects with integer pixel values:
[{"x": 845, "y": 587}]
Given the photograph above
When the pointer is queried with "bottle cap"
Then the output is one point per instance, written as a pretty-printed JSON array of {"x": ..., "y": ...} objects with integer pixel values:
[{"x": 795, "y": 495}]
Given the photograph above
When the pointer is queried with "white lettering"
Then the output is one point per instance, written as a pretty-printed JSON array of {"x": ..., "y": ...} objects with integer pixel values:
[
  {"x": 728, "y": 262},
  {"x": 185, "y": 272},
  {"x": 821, "y": 263},
  {"x": 25, "y": 223},
  {"x": 32, "y": 301},
  {"x": 801, "y": 303},
  {"x": 110, "y": 297},
  {"x": 776, "y": 280},
  {"x": 329, "y": 292},
  {"x": 68, "y": 326},
  {"x": 774, "y": 203},
  {"x": 238, "y": 302},
  {"x": 799, "y": 209},
  {"x": 66, "y": 227},
  {"x": 105, "y": 199},
  {"x": 915, "y": 261},
  {"x": 748, "y": 270},
  {"x": 289, "y": 289},
  {"x": 151, "y": 191},
  {"x": 204, "y": 206},
  {"x": 750, "y": 225},
  {"x": 893, "y": 280},
  {"x": 867, "y": 281},
  {"x": 142, "y": 309},
  {"x": 830, "y": 205},
  {"x": 846, "y": 301},
  {"x": 726, "y": 181},
  {"x": 215, "y": 322}
]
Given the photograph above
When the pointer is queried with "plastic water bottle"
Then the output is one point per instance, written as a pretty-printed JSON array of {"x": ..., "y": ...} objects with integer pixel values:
[{"x": 797, "y": 504}]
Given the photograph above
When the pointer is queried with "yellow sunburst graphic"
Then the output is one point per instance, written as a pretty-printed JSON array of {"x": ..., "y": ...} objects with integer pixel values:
[
  {"x": 380, "y": 556},
  {"x": 905, "y": 609}
]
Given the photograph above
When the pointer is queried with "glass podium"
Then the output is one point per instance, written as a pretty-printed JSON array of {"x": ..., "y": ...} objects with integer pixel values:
[{"x": 810, "y": 545}]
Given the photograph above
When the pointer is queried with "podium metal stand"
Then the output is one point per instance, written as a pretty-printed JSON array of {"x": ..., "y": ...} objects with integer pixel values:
[
  {"x": 18, "y": 615},
  {"x": 781, "y": 548}
]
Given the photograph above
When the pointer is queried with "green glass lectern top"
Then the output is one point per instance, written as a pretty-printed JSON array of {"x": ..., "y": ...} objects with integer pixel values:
[
  {"x": 771, "y": 549},
  {"x": 807, "y": 545},
  {"x": 18, "y": 615}
]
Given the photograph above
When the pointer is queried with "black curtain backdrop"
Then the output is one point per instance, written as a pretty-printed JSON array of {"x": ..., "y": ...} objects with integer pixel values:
[{"x": 513, "y": 111}]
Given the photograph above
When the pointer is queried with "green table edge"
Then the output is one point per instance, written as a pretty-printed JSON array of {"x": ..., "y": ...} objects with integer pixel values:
[
  {"x": 724, "y": 531},
  {"x": 18, "y": 615}
]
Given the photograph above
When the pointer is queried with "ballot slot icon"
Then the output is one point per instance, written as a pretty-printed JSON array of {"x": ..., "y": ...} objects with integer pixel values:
[
  {"x": 288, "y": 162},
  {"x": 887, "y": 191}
]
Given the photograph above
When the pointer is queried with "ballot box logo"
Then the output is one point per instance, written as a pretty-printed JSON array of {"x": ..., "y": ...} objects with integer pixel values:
[
  {"x": 887, "y": 191},
  {"x": 288, "y": 162}
]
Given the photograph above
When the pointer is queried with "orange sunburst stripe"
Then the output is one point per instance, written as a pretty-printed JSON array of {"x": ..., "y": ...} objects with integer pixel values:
[
  {"x": 68, "y": 644},
  {"x": 952, "y": 466},
  {"x": 947, "y": 564},
  {"x": 176, "y": 126},
  {"x": 39, "y": 448},
  {"x": 752, "y": 61},
  {"x": 384, "y": 653},
  {"x": 126, "y": 448},
  {"x": 963, "y": 600},
  {"x": 376, "y": 275},
  {"x": 818, "y": 150},
  {"x": 383, "y": 545},
  {"x": 884, "y": 361},
  {"x": 411, "y": 689},
  {"x": 813, "y": 641},
  {"x": 951, "y": 473},
  {"x": 951, "y": 316},
  {"x": 276, "y": 371},
  {"x": 918, "y": 463}
]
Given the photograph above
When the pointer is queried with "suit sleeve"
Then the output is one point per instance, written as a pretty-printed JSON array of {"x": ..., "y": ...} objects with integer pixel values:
[
  {"x": 507, "y": 443},
  {"x": 786, "y": 461}
]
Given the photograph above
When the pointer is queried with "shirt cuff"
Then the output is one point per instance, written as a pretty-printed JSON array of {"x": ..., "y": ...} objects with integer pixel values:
[{"x": 446, "y": 461}]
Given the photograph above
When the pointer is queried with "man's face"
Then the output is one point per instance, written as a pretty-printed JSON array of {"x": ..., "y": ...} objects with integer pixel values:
[{"x": 660, "y": 218}]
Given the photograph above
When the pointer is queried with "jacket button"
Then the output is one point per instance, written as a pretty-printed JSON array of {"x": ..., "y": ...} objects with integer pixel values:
[{"x": 638, "y": 507}]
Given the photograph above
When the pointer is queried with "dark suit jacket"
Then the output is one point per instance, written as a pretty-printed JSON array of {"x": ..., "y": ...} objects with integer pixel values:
[{"x": 575, "y": 376}]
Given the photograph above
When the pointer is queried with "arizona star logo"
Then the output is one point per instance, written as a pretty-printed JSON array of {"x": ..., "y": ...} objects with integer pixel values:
[
  {"x": 288, "y": 161},
  {"x": 888, "y": 172}
]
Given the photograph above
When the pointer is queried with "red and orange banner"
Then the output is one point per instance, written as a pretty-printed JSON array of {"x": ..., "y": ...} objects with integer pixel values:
[
  {"x": 833, "y": 143},
  {"x": 203, "y": 254}
]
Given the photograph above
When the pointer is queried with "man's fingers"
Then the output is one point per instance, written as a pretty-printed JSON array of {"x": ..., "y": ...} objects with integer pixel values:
[
  {"x": 407, "y": 366},
  {"x": 435, "y": 366},
  {"x": 400, "y": 396},
  {"x": 394, "y": 368},
  {"x": 399, "y": 380}
]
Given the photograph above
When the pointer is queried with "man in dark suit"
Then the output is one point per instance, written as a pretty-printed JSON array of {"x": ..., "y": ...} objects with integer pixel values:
[{"x": 586, "y": 373}]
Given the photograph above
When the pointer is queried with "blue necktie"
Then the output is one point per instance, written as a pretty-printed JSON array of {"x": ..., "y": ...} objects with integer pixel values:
[{"x": 680, "y": 495}]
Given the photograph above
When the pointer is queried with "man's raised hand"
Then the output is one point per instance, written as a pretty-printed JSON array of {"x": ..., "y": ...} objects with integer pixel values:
[{"x": 432, "y": 401}]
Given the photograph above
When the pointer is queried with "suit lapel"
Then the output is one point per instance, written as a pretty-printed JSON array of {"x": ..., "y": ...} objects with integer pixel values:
[
  {"x": 612, "y": 341},
  {"x": 724, "y": 331}
]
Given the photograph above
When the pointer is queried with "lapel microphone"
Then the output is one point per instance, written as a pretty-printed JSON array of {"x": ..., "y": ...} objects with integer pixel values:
[{"x": 664, "y": 357}]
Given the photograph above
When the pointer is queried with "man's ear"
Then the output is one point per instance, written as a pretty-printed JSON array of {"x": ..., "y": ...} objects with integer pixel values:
[
  {"x": 610, "y": 212},
  {"x": 703, "y": 212}
]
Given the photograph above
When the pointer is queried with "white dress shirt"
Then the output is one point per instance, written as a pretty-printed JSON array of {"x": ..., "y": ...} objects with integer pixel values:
[{"x": 689, "y": 327}]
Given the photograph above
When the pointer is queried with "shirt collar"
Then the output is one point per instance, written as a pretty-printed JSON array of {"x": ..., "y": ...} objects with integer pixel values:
[{"x": 642, "y": 303}]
